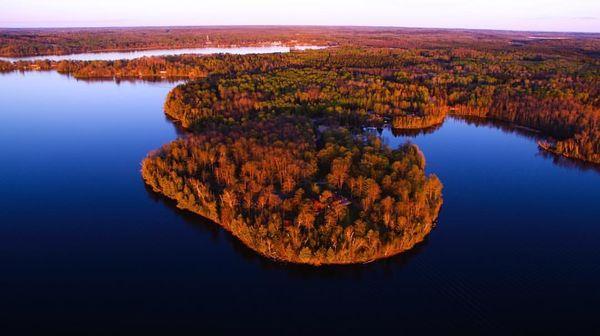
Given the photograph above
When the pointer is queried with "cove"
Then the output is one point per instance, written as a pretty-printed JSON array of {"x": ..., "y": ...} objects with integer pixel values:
[{"x": 82, "y": 241}]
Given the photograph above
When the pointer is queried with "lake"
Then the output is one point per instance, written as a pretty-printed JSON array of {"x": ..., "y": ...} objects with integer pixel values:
[
  {"x": 85, "y": 246},
  {"x": 111, "y": 56}
]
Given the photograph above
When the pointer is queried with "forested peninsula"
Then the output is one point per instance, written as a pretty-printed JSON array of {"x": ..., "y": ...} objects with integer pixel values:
[
  {"x": 277, "y": 151},
  {"x": 407, "y": 78},
  {"x": 556, "y": 95}
]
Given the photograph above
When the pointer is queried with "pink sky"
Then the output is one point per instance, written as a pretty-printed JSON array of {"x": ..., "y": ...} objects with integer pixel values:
[{"x": 543, "y": 15}]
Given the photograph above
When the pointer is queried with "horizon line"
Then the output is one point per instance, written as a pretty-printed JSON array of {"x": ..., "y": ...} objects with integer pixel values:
[{"x": 299, "y": 26}]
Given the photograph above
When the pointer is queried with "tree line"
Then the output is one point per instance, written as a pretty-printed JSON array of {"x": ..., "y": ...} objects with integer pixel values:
[
  {"x": 557, "y": 95},
  {"x": 277, "y": 153},
  {"x": 34, "y": 42}
]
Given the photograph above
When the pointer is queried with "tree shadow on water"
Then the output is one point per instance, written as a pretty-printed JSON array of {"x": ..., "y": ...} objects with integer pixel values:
[
  {"x": 532, "y": 135},
  {"x": 569, "y": 163},
  {"x": 415, "y": 132},
  {"x": 385, "y": 266}
]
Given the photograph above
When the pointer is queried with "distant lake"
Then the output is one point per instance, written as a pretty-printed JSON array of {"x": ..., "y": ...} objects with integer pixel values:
[
  {"x": 85, "y": 246},
  {"x": 111, "y": 56}
]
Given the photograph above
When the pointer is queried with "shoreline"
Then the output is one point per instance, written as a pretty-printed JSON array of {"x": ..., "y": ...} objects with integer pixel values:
[
  {"x": 276, "y": 258},
  {"x": 290, "y": 46}
]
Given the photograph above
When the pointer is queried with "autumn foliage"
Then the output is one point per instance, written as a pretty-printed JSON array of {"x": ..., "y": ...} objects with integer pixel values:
[
  {"x": 342, "y": 199},
  {"x": 277, "y": 153}
]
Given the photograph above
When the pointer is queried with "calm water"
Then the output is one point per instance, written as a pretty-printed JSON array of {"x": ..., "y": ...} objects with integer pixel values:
[
  {"x": 109, "y": 56},
  {"x": 85, "y": 247}
]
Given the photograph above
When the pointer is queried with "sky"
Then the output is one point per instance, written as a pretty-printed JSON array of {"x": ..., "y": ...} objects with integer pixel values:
[{"x": 537, "y": 15}]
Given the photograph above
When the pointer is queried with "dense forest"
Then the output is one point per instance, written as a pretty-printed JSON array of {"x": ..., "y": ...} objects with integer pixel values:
[
  {"x": 557, "y": 95},
  {"x": 291, "y": 195},
  {"x": 31, "y": 42},
  {"x": 7, "y": 66},
  {"x": 349, "y": 99},
  {"x": 549, "y": 85},
  {"x": 277, "y": 152}
]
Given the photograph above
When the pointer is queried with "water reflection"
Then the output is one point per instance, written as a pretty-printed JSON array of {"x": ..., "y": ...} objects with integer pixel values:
[
  {"x": 119, "y": 80},
  {"x": 535, "y": 136},
  {"x": 197, "y": 222},
  {"x": 506, "y": 127},
  {"x": 569, "y": 163},
  {"x": 414, "y": 132},
  {"x": 218, "y": 234},
  {"x": 515, "y": 231},
  {"x": 111, "y": 56},
  {"x": 387, "y": 266}
]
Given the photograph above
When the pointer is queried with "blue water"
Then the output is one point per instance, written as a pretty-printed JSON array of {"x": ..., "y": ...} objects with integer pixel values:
[
  {"x": 86, "y": 248},
  {"x": 119, "y": 55}
]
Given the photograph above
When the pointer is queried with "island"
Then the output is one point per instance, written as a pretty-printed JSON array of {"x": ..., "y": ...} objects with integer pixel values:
[
  {"x": 279, "y": 150},
  {"x": 294, "y": 194}
]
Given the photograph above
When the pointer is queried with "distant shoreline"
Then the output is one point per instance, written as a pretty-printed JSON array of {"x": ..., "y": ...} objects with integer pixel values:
[{"x": 291, "y": 47}]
